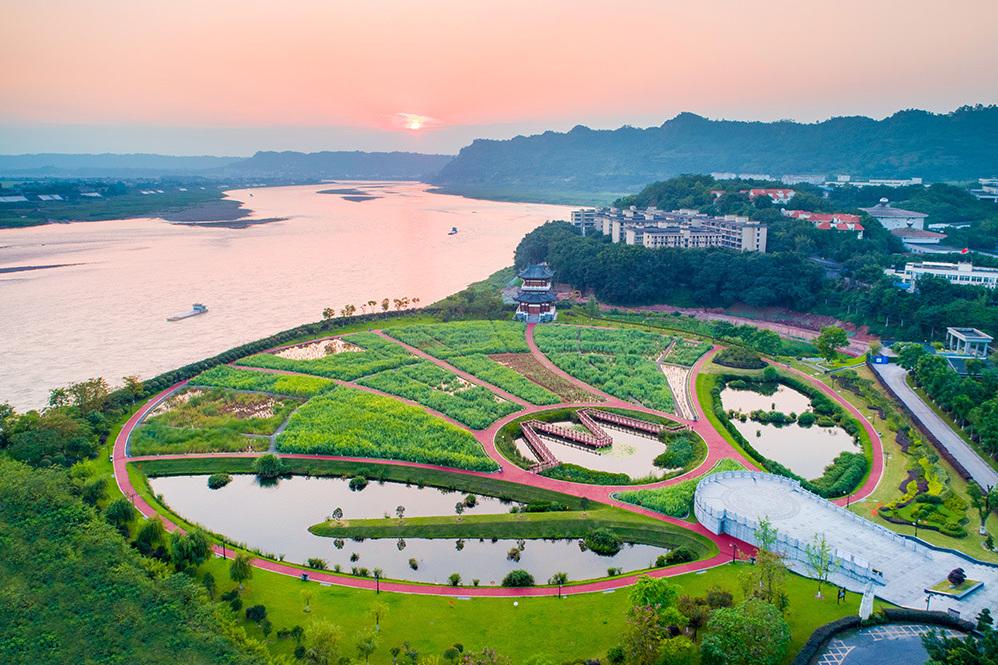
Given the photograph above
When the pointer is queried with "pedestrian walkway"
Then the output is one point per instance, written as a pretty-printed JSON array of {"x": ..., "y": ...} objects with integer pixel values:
[
  {"x": 900, "y": 568},
  {"x": 982, "y": 473}
]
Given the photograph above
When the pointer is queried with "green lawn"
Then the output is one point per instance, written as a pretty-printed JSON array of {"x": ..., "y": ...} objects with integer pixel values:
[{"x": 577, "y": 626}]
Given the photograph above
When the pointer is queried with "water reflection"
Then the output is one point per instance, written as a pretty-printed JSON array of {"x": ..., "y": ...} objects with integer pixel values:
[
  {"x": 804, "y": 450},
  {"x": 276, "y": 518}
]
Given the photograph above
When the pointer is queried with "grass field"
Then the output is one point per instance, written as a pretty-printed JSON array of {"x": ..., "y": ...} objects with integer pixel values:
[
  {"x": 132, "y": 204},
  {"x": 573, "y": 627}
]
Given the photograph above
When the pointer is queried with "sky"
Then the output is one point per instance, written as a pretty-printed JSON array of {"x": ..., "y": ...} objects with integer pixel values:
[{"x": 230, "y": 77}]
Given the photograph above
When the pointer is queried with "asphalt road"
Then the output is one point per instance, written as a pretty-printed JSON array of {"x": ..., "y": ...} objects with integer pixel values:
[{"x": 894, "y": 375}]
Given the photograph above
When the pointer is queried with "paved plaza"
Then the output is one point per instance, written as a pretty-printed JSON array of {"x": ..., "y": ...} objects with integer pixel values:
[
  {"x": 893, "y": 644},
  {"x": 900, "y": 568}
]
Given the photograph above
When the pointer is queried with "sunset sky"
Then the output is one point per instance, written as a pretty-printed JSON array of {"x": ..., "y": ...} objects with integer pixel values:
[{"x": 234, "y": 76}]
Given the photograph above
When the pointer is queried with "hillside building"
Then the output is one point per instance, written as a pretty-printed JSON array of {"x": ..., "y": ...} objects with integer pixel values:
[
  {"x": 535, "y": 299},
  {"x": 895, "y": 218},
  {"x": 824, "y": 221},
  {"x": 962, "y": 274},
  {"x": 584, "y": 219},
  {"x": 655, "y": 228}
]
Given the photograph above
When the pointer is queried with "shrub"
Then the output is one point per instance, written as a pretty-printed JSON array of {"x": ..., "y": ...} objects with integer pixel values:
[
  {"x": 219, "y": 480},
  {"x": 316, "y": 563},
  {"x": 357, "y": 483},
  {"x": 544, "y": 507},
  {"x": 257, "y": 613},
  {"x": 957, "y": 577},
  {"x": 269, "y": 466},
  {"x": 518, "y": 578},
  {"x": 674, "y": 500},
  {"x": 739, "y": 358},
  {"x": 229, "y": 596},
  {"x": 603, "y": 541},
  {"x": 454, "y": 579},
  {"x": 236, "y": 604},
  {"x": 681, "y": 554}
]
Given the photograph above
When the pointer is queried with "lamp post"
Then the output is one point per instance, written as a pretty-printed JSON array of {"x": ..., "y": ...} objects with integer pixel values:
[
  {"x": 927, "y": 599},
  {"x": 734, "y": 552},
  {"x": 223, "y": 549}
]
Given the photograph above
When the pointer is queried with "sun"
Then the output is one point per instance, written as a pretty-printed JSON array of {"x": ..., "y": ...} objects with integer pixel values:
[{"x": 415, "y": 123}]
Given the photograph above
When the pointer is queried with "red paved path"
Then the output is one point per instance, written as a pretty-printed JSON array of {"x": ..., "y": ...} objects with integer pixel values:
[{"x": 717, "y": 447}]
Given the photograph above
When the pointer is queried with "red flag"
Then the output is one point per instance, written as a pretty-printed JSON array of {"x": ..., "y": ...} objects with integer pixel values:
[{"x": 964, "y": 250}]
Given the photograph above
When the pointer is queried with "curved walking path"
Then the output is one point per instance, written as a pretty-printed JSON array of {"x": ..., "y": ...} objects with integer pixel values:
[{"x": 717, "y": 446}]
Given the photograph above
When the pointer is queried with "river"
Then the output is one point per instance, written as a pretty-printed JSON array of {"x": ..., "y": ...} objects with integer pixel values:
[{"x": 104, "y": 312}]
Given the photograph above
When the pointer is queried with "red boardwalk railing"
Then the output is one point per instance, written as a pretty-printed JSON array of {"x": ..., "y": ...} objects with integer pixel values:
[
  {"x": 601, "y": 440},
  {"x": 547, "y": 460},
  {"x": 631, "y": 423}
]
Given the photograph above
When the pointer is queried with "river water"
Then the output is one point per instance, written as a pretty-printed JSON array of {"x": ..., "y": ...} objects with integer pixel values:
[{"x": 105, "y": 314}]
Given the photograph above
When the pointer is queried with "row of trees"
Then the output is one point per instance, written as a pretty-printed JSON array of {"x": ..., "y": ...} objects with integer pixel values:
[
  {"x": 401, "y": 304},
  {"x": 972, "y": 401}
]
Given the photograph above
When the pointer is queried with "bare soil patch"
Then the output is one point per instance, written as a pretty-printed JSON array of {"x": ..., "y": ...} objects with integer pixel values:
[{"x": 528, "y": 366}]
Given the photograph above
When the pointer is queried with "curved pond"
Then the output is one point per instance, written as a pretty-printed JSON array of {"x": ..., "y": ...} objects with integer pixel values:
[
  {"x": 275, "y": 520},
  {"x": 804, "y": 450},
  {"x": 630, "y": 453}
]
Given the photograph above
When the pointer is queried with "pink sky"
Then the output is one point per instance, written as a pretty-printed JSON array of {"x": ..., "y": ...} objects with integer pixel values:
[{"x": 231, "y": 65}]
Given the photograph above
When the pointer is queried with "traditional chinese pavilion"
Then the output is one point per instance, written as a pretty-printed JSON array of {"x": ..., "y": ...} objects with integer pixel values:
[{"x": 535, "y": 297}]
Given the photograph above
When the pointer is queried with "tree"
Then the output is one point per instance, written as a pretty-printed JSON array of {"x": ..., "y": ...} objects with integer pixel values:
[
  {"x": 956, "y": 577},
  {"x": 338, "y": 514},
  {"x": 323, "y": 640},
  {"x": 240, "y": 569},
  {"x": 269, "y": 466},
  {"x": 307, "y": 596},
  {"x": 400, "y": 511},
  {"x": 751, "y": 633},
  {"x": 89, "y": 395},
  {"x": 120, "y": 512},
  {"x": 257, "y": 613},
  {"x": 829, "y": 340},
  {"x": 518, "y": 578},
  {"x": 189, "y": 550},
  {"x": 133, "y": 387},
  {"x": 266, "y": 626},
  {"x": 208, "y": 582},
  {"x": 969, "y": 650},
  {"x": 454, "y": 579},
  {"x": 378, "y": 612},
  {"x": 384, "y": 305},
  {"x": 559, "y": 579},
  {"x": 328, "y": 313},
  {"x": 767, "y": 578},
  {"x": 820, "y": 560},
  {"x": 367, "y": 643},
  {"x": 875, "y": 347}
]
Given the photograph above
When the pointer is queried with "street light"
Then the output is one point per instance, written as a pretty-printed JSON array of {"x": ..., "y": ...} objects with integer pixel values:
[{"x": 734, "y": 552}]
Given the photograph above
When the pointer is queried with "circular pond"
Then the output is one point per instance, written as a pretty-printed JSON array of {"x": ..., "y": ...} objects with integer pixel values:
[{"x": 275, "y": 520}]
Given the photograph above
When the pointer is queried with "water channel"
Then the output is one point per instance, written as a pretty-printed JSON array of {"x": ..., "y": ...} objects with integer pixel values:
[
  {"x": 804, "y": 450},
  {"x": 275, "y": 520}
]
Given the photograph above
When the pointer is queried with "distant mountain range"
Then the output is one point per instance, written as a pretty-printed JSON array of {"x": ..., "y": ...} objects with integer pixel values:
[
  {"x": 342, "y": 165},
  {"x": 58, "y": 165},
  {"x": 962, "y": 145},
  {"x": 282, "y": 165}
]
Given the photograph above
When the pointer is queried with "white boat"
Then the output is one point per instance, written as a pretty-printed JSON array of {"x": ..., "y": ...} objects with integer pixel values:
[
  {"x": 198, "y": 309},
  {"x": 453, "y": 231}
]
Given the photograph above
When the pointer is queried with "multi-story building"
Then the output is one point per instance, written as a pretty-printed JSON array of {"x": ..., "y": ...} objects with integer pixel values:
[
  {"x": 655, "y": 228},
  {"x": 584, "y": 219},
  {"x": 963, "y": 274},
  {"x": 895, "y": 218}
]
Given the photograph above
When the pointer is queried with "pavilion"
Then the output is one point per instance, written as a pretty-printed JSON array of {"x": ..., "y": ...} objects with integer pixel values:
[
  {"x": 536, "y": 301},
  {"x": 970, "y": 341}
]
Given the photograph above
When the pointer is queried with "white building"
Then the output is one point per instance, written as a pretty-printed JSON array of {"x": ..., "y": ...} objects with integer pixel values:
[
  {"x": 895, "y": 218},
  {"x": 843, "y": 180},
  {"x": 654, "y": 228},
  {"x": 584, "y": 219},
  {"x": 963, "y": 274}
]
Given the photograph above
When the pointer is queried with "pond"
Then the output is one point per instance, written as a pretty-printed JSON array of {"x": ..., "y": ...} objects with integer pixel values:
[
  {"x": 275, "y": 519},
  {"x": 891, "y": 644},
  {"x": 804, "y": 450},
  {"x": 630, "y": 453}
]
